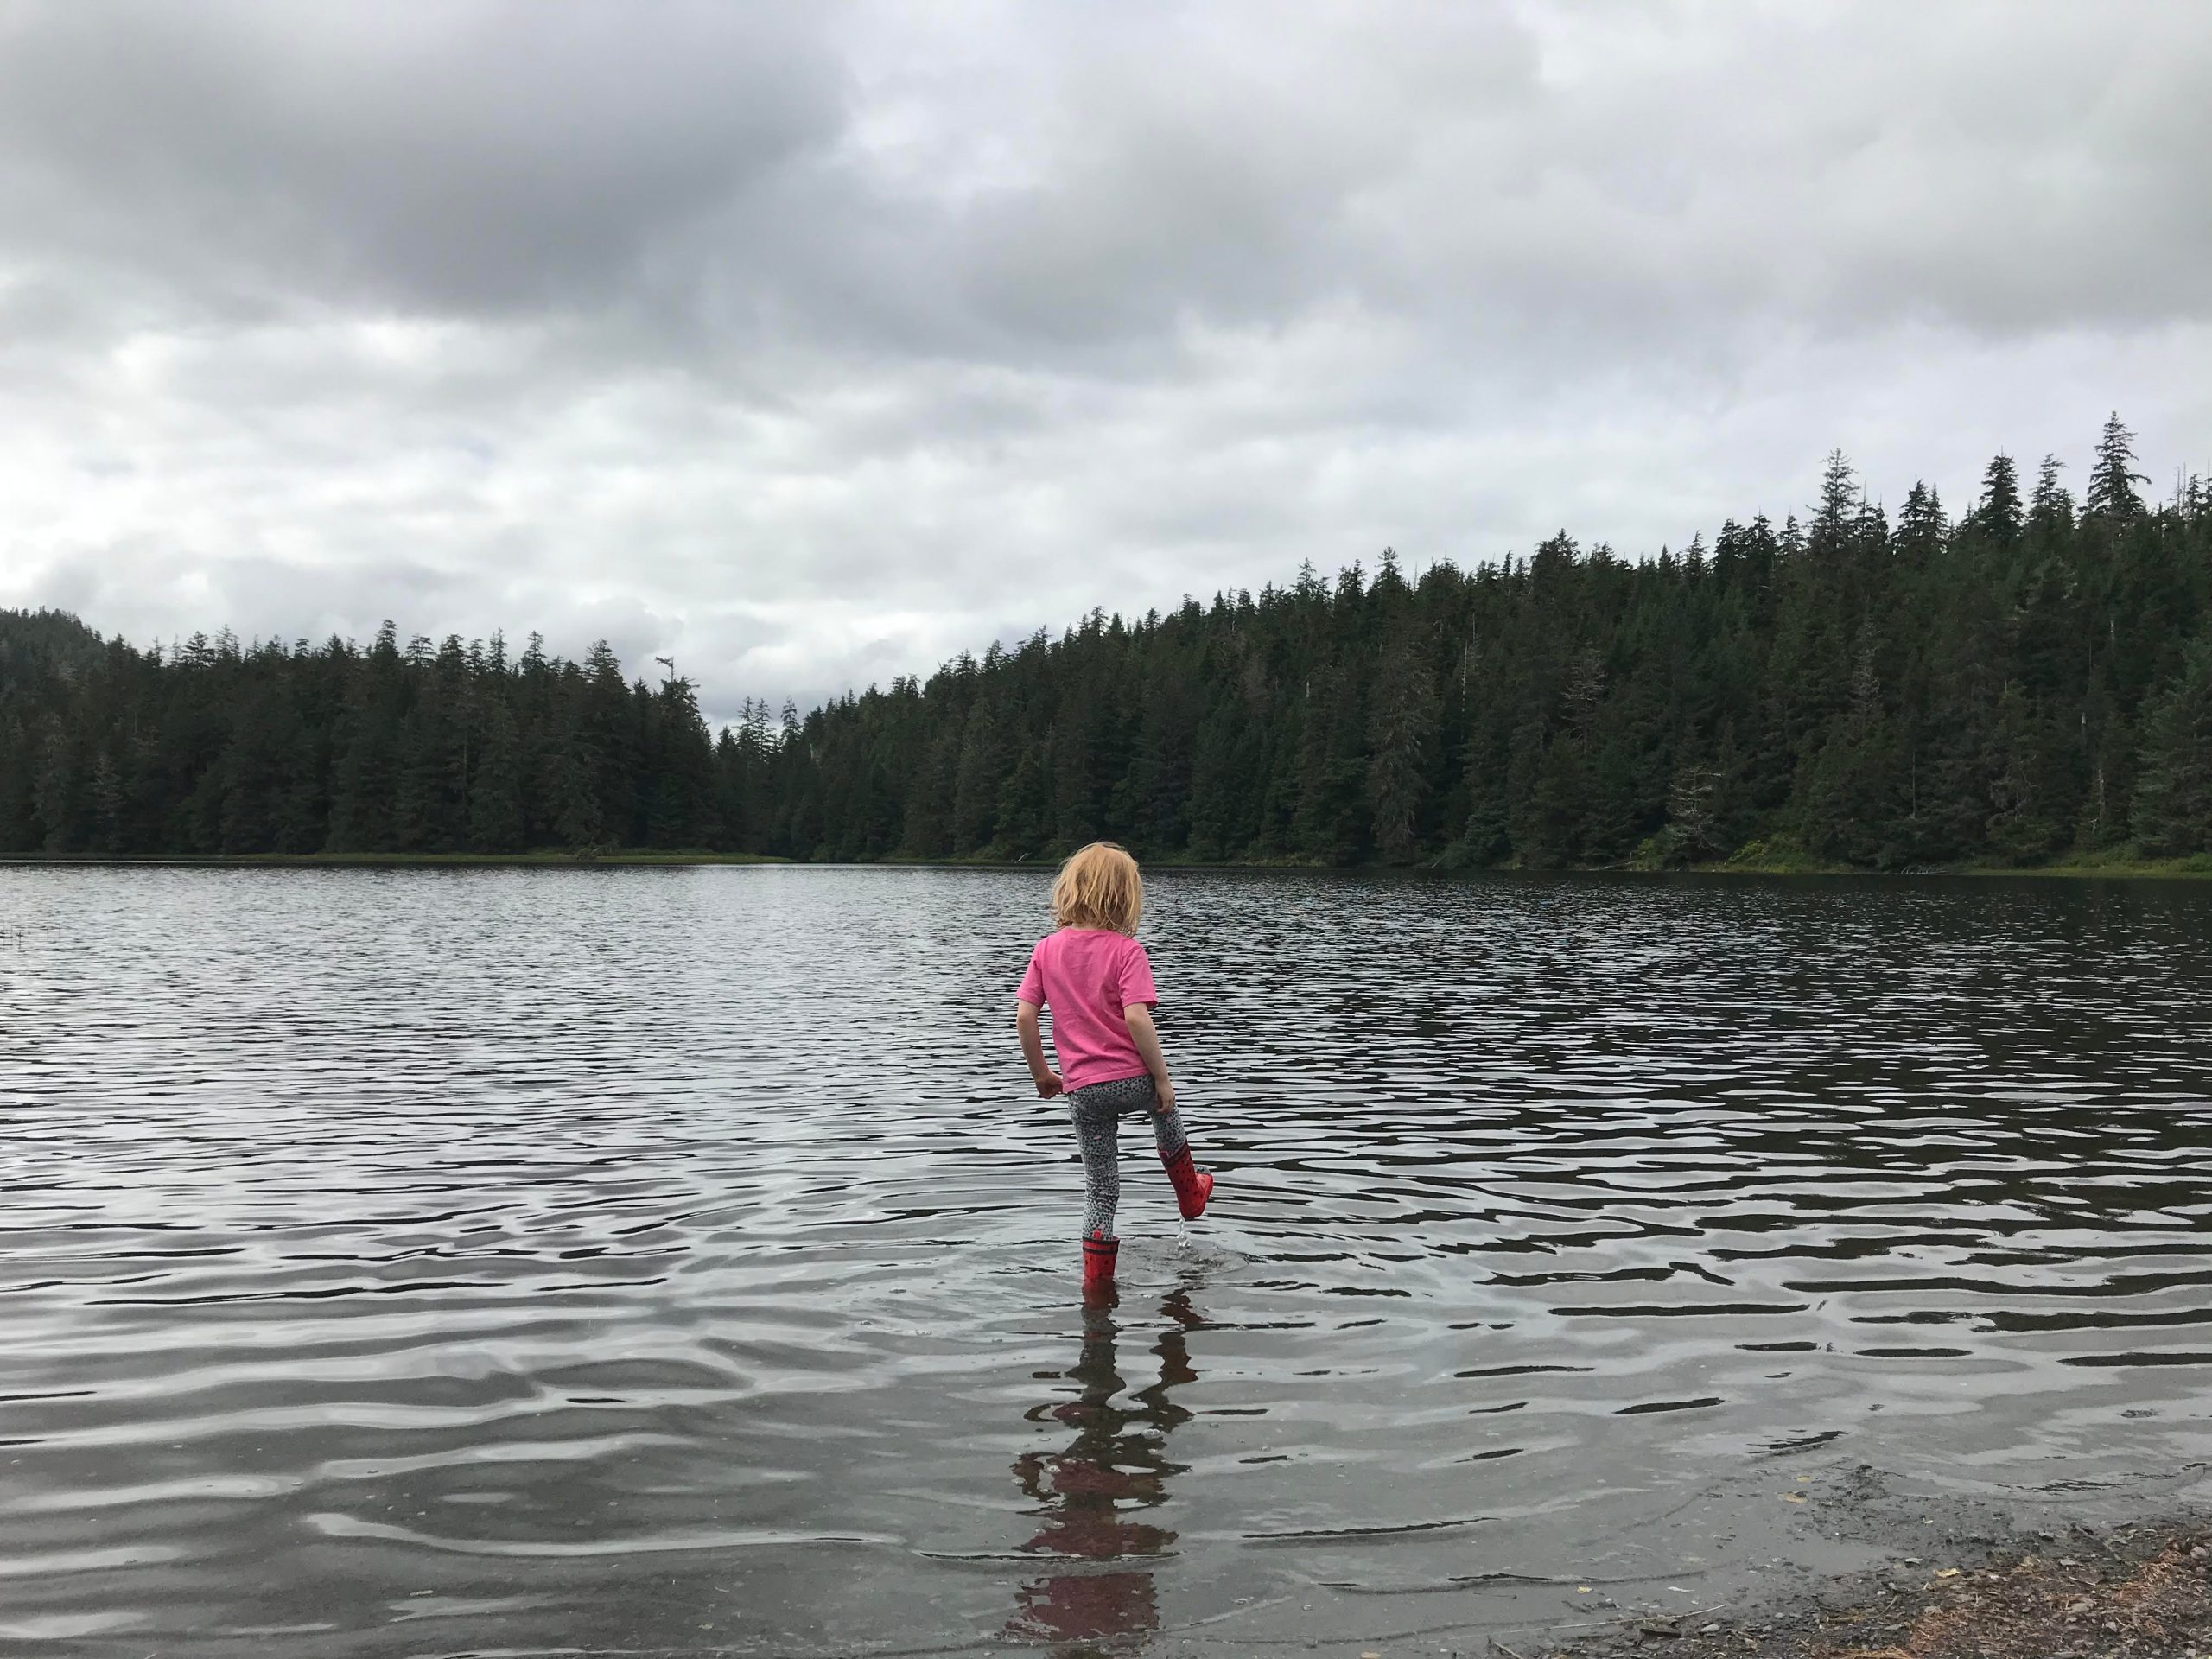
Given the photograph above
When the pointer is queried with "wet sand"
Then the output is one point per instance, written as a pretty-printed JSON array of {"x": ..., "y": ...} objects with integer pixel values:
[
  {"x": 1850, "y": 1564},
  {"x": 1956, "y": 1579},
  {"x": 2141, "y": 1590}
]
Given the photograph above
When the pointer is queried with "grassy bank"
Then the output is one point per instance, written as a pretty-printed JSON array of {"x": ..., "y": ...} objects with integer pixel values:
[
  {"x": 2127, "y": 869},
  {"x": 1783, "y": 856},
  {"x": 549, "y": 858},
  {"x": 1759, "y": 859},
  {"x": 2199, "y": 865}
]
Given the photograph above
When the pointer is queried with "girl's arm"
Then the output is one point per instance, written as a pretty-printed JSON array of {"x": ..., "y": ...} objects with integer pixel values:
[
  {"x": 1148, "y": 1041},
  {"x": 1032, "y": 1049}
]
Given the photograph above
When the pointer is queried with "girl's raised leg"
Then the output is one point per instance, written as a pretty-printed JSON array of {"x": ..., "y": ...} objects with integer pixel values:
[{"x": 1193, "y": 1185}]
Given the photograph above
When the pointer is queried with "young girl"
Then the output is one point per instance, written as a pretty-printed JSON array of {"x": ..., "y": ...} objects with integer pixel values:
[{"x": 1097, "y": 982}]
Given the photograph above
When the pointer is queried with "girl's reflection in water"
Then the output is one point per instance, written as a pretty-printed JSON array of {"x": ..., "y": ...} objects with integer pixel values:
[{"x": 1089, "y": 1497}]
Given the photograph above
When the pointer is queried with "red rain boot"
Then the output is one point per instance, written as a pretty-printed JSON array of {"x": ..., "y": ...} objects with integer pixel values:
[
  {"x": 1194, "y": 1186},
  {"x": 1098, "y": 1254}
]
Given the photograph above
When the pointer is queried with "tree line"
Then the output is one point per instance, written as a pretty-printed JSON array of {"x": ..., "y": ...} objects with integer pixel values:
[{"x": 2028, "y": 681}]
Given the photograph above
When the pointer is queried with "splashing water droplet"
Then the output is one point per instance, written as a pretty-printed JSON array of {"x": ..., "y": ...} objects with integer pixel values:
[{"x": 1182, "y": 1236}]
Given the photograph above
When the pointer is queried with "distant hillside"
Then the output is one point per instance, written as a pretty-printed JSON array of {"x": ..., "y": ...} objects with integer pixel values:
[{"x": 32, "y": 640}]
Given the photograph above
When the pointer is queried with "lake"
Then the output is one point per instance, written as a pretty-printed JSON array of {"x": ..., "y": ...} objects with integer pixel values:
[{"x": 676, "y": 1259}]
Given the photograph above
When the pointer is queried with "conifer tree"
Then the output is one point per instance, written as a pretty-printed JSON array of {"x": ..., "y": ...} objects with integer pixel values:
[
  {"x": 495, "y": 810},
  {"x": 2113, "y": 480},
  {"x": 2173, "y": 807},
  {"x": 1998, "y": 513},
  {"x": 1401, "y": 725},
  {"x": 2051, "y": 519}
]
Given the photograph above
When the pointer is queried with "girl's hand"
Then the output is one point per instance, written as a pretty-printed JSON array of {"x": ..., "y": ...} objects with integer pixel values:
[
  {"x": 1147, "y": 1046},
  {"x": 1032, "y": 1050}
]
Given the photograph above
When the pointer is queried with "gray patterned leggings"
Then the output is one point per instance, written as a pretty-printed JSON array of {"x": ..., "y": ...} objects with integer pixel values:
[{"x": 1098, "y": 1109}]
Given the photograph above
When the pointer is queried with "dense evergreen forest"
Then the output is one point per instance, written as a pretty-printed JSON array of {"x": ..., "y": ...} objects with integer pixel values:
[{"x": 2030, "y": 681}]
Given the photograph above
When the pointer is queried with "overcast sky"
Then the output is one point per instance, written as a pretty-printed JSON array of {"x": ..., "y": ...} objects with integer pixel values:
[{"x": 814, "y": 344}]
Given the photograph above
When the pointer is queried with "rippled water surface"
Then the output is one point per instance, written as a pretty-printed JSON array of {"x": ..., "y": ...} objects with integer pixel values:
[{"x": 506, "y": 1261}]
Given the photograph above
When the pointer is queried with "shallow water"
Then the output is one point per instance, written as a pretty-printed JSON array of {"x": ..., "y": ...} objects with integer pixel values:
[{"x": 514, "y": 1260}]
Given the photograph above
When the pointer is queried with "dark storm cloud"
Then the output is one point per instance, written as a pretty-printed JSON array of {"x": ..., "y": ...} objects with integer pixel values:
[
  {"x": 461, "y": 157},
  {"x": 814, "y": 342}
]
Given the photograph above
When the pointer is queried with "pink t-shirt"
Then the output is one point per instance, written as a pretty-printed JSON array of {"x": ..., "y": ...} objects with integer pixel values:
[{"x": 1086, "y": 976}]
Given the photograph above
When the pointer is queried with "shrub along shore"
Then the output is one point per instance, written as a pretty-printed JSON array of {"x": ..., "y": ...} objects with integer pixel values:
[{"x": 2197, "y": 868}]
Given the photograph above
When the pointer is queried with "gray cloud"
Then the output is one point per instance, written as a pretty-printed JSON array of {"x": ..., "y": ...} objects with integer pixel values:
[
  {"x": 816, "y": 342},
  {"x": 458, "y": 159}
]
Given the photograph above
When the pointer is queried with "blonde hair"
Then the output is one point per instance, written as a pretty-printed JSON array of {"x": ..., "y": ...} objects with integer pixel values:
[{"x": 1098, "y": 886}]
